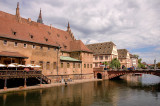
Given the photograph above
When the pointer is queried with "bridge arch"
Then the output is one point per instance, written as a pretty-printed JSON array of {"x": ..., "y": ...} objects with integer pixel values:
[{"x": 99, "y": 76}]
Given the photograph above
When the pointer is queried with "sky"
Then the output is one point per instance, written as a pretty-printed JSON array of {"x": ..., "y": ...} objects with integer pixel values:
[{"x": 131, "y": 24}]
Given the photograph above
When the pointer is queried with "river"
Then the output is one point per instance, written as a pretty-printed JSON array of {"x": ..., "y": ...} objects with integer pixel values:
[{"x": 135, "y": 91}]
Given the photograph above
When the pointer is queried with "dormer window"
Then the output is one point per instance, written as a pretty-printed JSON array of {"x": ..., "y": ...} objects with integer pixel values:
[
  {"x": 58, "y": 35},
  {"x": 46, "y": 39},
  {"x": 31, "y": 36},
  {"x": 14, "y": 33}
]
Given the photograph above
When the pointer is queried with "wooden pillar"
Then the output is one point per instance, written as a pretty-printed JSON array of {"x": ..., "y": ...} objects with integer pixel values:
[
  {"x": 41, "y": 80},
  {"x": 25, "y": 82},
  {"x": 5, "y": 84}
]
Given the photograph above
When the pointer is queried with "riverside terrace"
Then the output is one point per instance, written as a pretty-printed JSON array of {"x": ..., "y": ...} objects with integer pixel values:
[{"x": 22, "y": 77}]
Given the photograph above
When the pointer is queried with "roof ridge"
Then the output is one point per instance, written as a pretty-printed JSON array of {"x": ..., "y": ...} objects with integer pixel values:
[{"x": 100, "y": 43}]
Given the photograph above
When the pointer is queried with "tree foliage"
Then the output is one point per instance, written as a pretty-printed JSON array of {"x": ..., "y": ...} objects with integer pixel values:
[
  {"x": 115, "y": 63},
  {"x": 140, "y": 65},
  {"x": 105, "y": 63},
  {"x": 158, "y": 65}
]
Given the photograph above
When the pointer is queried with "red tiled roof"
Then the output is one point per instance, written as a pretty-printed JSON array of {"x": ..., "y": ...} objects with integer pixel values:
[
  {"x": 41, "y": 33},
  {"x": 101, "y": 48},
  {"x": 122, "y": 53},
  {"x": 77, "y": 45},
  {"x": 12, "y": 54}
]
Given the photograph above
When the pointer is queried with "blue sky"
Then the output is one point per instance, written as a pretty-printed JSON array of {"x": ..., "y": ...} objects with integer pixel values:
[{"x": 130, "y": 24}]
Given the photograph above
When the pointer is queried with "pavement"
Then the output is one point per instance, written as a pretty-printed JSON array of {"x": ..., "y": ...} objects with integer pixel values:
[{"x": 41, "y": 86}]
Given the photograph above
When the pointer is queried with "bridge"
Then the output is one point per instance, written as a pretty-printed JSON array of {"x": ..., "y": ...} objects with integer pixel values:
[
  {"x": 22, "y": 74},
  {"x": 100, "y": 73}
]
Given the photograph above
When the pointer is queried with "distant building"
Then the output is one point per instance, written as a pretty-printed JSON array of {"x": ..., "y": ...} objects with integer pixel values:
[
  {"x": 134, "y": 60},
  {"x": 124, "y": 58},
  {"x": 58, "y": 53},
  {"x": 103, "y": 52}
]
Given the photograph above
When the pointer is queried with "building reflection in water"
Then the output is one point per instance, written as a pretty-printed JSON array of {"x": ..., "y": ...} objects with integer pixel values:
[{"x": 109, "y": 93}]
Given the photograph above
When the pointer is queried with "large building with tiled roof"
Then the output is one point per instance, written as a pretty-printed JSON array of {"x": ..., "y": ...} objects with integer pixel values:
[
  {"x": 25, "y": 41},
  {"x": 124, "y": 58},
  {"x": 103, "y": 52}
]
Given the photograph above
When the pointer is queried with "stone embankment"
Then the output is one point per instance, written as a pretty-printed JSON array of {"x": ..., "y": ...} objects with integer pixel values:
[{"x": 21, "y": 88}]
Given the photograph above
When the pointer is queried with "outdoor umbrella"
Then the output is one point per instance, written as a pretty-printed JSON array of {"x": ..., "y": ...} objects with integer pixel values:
[{"x": 2, "y": 65}]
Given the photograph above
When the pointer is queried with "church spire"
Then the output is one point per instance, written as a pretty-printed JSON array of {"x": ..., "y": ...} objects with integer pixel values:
[
  {"x": 39, "y": 20},
  {"x": 68, "y": 27},
  {"x": 17, "y": 12}
]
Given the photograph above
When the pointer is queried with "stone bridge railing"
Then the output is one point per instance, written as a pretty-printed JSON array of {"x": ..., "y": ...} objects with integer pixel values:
[{"x": 112, "y": 73}]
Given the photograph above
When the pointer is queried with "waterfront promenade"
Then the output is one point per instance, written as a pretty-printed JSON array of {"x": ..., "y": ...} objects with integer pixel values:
[{"x": 42, "y": 86}]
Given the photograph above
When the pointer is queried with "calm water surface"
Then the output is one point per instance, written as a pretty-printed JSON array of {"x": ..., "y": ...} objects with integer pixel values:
[{"x": 136, "y": 91}]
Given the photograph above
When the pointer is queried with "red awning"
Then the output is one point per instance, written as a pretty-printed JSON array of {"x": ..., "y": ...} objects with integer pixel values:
[{"x": 12, "y": 54}]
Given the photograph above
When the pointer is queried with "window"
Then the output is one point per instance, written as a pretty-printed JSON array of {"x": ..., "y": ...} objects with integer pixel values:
[
  {"x": 14, "y": 33},
  {"x": 46, "y": 39},
  {"x": 54, "y": 49},
  {"x": 33, "y": 46},
  {"x": 48, "y": 48},
  {"x": 84, "y": 65},
  {"x": 5, "y": 42},
  {"x": 25, "y": 45},
  {"x": 41, "y": 47},
  {"x": 32, "y": 62},
  {"x": 41, "y": 64},
  {"x": 96, "y": 64},
  {"x": 65, "y": 47},
  {"x": 101, "y": 57},
  {"x": 54, "y": 65},
  {"x": 15, "y": 44},
  {"x": 23, "y": 62},
  {"x": 74, "y": 65},
  {"x": 90, "y": 65},
  {"x": 68, "y": 65},
  {"x": 48, "y": 65},
  {"x": 106, "y": 57},
  {"x": 61, "y": 65},
  {"x": 87, "y": 65},
  {"x": 31, "y": 36},
  {"x": 96, "y": 57},
  {"x": 78, "y": 65}
]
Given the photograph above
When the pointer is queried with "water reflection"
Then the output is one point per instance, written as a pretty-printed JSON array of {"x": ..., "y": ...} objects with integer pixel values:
[{"x": 100, "y": 93}]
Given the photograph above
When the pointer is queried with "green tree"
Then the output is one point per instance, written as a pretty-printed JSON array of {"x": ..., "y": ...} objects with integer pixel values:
[
  {"x": 158, "y": 65},
  {"x": 140, "y": 65},
  {"x": 115, "y": 63},
  {"x": 105, "y": 63}
]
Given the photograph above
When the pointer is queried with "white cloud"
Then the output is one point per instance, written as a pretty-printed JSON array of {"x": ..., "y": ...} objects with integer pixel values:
[{"x": 128, "y": 23}]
